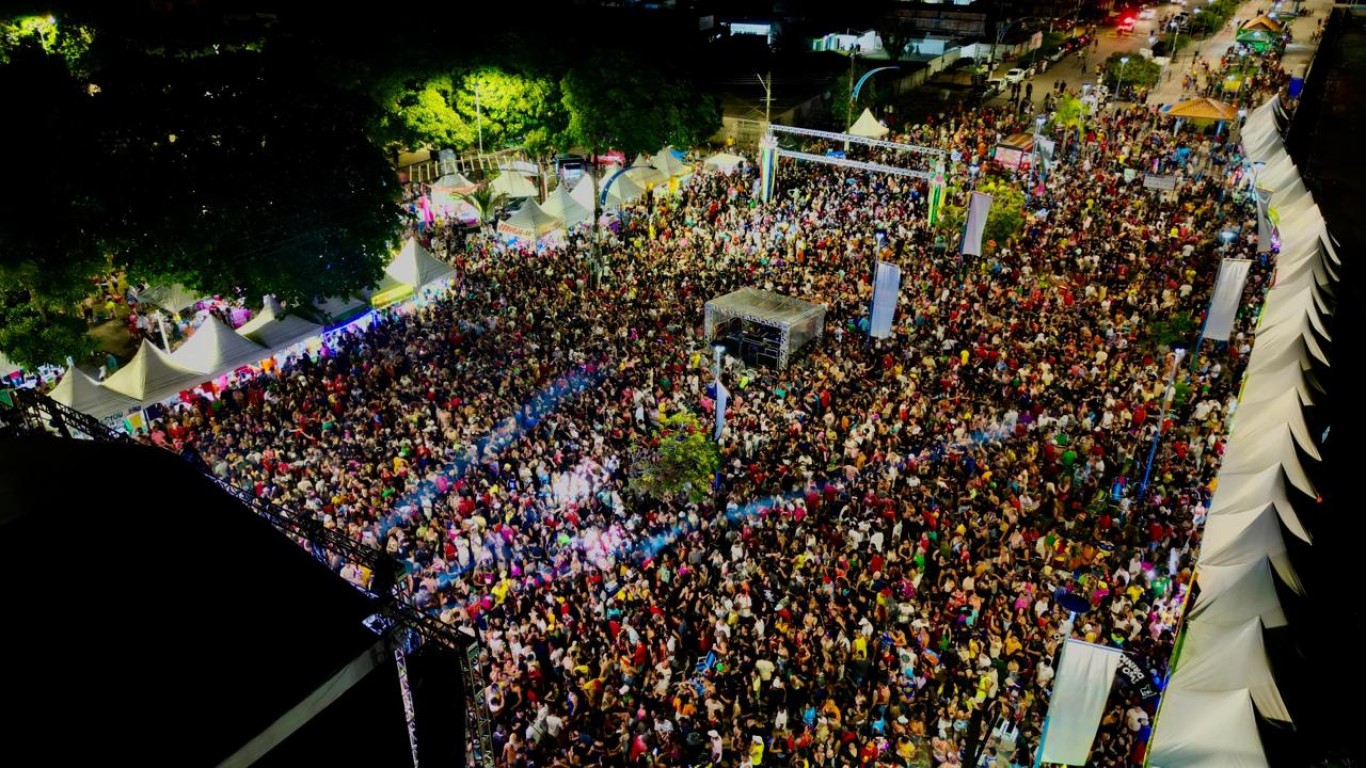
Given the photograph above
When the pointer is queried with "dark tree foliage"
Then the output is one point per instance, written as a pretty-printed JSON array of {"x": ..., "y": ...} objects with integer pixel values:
[
  {"x": 616, "y": 100},
  {"x": 239, "y": 172},
  {"x": 54, "y": 197}
]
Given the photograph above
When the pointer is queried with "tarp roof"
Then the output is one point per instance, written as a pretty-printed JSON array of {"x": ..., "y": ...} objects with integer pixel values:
[
  {"x": 561, "y": 205},
  {"x": 79, "y": 391},
  {"x": 645, "y": 175},
  {"x": 215, "y": 348},
  {"x": 273, "y": 328},
  {"x": 767, "y": 306},
  {"x": 151, "y": 376},
  {"x": 868, "y": 126},
  {"x": 455, "y": 183},
  {"x": 723, "y": 161},
  {"x": 173, "y": 297},
  {"x": 1208, "y": 730},
  {"x": 530, "y": 222},
  {"x": 416, "y": 266},
  {"x": 1262, "y": 22},
  {"x": 623, "y": 191},
  {"x": 585, "y": 191},
  {"x": 668, "y": 164},
  {"x": 1229, "y": 658},
  {"x": 1203, "y": 109},
  {"x": 513, "y": 185},
  {"x": 334, "y": 308}
]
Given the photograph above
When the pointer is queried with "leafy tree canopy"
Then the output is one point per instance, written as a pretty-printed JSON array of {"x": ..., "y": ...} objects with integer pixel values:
[
  {"x": 618, "y": 101},
  {"x": 678, "y": 458}
]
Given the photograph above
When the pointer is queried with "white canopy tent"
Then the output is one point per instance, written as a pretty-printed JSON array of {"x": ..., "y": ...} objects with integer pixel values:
[
  {"x": 513, "y": 185},
  {"x": 645, "y": 176},
  {"x": 1253, "y": 491},
  {"x": 530, "y": 223},
  {"x": 77, "y": 390},
  {"x": 623, "y": 191},
  {"x": 1207, "y": 730},
  {"x": 416, "y": 266},
  {"x": 1232, "y": 594},
  {"x": 665, "y": 162},
  {"x": 561, "y": 205},
  {"x": 1230, "y": 658},
  {"x": 216, "y": 349},
  {"x": 334, "y": 308},
  {"x": 585, "y": 192},
  {"x": 274, "y": 329},
  {"x": 868, "y": 126},
  {"x": 151, "y": 376},
  {"x": 723, "y": 162}
]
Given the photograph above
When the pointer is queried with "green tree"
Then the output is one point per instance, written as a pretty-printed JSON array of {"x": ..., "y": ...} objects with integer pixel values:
[
  {"x": 517, "y": 109},
  {"x": 1067, "y": 119},
  {"x": 485, "y": 201},
  {"x": 619, "y": 101},
  {"x": 240, "y": 172},
  {"x": 678, "y": 458},
  {"x": 1004, "y": 220},
  {"x": 1136, "y": 72},
  {"x": 896, "y": 35},
  {"x": 50, "y": 211},
  {"x": 423, "y": 116}
]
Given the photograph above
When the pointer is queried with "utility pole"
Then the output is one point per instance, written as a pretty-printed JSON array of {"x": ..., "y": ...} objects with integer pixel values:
[{"x": 768, "y": 97}]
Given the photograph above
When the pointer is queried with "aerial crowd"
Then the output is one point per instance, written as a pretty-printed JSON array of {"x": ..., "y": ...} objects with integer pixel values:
[{"x": 902, "y": 529}]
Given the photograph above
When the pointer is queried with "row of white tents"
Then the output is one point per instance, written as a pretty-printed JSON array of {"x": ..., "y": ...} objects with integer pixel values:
[
  {"x": 1222, "y": 679},
  {"x": 215, "y": 350}
]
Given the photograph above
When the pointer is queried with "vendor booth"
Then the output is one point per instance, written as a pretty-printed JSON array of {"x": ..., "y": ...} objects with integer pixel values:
[
  {"x": 762, "y": 327},
  {"x": 1015, "y": 152}
]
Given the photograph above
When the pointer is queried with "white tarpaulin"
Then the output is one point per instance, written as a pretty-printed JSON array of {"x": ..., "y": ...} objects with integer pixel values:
[
  {"x": 1238, "y": 493},
  {"x": 1228, "y": 294},
  {"x": 886, "y": 291},
  {"x": 645, "y": 176},
  {"x": 979, "y": 207},
  {"x": 216, "y": 349},
  {"x": 151, "y": 376},
  {"x": 1207, "y": 730},
  {"x": 585, "y": 192},
  {"x": 1284, "y": 410},
  {"x": 868, "y": 126},
  {"x": 416, "y": 266},
  {"x": 1257, "y": 449},
  {"x": 1218, "y": 658},
  {"x": 1086, "y": 672},
  {"x": 274, "y": 329},
  {"x": 1232, "y": 594},
  {"x": 86, "y": 395},
  {"x": 560, "y": 205},
  {"x": 1270, "y": 380},
  {"x": 1248, "y": 536},
  {"x": 513, "y": 185}
]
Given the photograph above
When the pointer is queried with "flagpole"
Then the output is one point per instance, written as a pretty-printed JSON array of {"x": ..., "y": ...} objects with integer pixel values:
[{"x": 1043, "y": 732}]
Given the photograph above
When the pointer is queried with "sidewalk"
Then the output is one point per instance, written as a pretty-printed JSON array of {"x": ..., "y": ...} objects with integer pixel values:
[{"x": 1294, "y": 62}]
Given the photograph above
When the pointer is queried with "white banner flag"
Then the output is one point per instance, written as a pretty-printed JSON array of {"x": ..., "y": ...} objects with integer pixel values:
[
  {"x": 979, "y": 205},
  {"x": 886, "y": 291},
  {"x": 722, "y": 400},
  {"x": 1228, "y": 293},
  {"x": 1263, "y": 223},
  {"x": 1085, "y": 674}
]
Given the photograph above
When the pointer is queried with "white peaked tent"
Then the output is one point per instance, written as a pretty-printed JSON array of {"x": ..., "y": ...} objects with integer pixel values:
[
  {"x": 335, "y": 307},
  {"x": 447, "y": 195},
  {"x": 665, "y": 162},
  {"x": 83, "y": 393},
  {"x": 151, "y": 376},
  {"x": 623, "y": 191},
  {"x": 216, "y": 349},
  {"x": 723, "y": 162},
  {"x": 274, "y": 329},
  {"x": 172, "y": 297},
  {"x": 564, "y": 207},
  {"x": 530, "y": 223},
  {"x": 1207, "y": 730},
  {"x": 513, "y": 185},
  {"x": 645, "y": 176},
  {"x": 868, "y": 126},
  {"x": 585, "y": 192},
  {"x": 416, "y": 266},
  {"x": 1207, "y": 716},
  {"x": 454, "y": 183}
]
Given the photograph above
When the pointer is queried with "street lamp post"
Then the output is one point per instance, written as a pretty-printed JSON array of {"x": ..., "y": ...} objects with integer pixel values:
[{"x": 1157, "y": 435}]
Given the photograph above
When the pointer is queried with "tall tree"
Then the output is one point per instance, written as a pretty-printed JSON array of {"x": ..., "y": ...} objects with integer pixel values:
[
  {"x": 241, "y": 172},
  {"x": 50, "y": 210},
  {"x": 622, "y": 101},
  {"x": 678, "y": 458}
]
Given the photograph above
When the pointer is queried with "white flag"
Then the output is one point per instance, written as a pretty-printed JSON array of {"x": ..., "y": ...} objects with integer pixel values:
[
  {"x": 886, "y": 291},
  {"x": 1263, "y": 220},
  {"x": 1085, "y": 675},
  {"x": 979, "y": 205},
  {"x": 1228, "y": 293},
  {"x": 722, "y": 398}
]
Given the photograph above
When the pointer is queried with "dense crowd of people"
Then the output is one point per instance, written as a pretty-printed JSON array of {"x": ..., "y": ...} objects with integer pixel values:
[{"x": 880, "y": 576}]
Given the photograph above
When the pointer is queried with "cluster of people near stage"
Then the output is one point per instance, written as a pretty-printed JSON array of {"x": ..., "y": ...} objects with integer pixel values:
[{"x": 880, "y": 575}]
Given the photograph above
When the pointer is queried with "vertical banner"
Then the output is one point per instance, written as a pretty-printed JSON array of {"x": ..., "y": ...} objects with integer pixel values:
[
  {"x": 936, "y": 192},
  {"x": 979, "y": 205},
  {"x": 722, "y": 399},
  {"x": 1228, "y": 293},
  {"x": 1263, "y": 220},
  {"x": 1046, "y": 149},
  {"x": 1085, "y": 674},
  {"x": 886, "y": 291},
  {"x": 768, "y": 166}
]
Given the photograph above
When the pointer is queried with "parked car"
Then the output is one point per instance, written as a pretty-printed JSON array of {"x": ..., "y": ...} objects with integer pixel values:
[
  {"x": 1016, "y": 75},
  {"x": 1147, "y": 14}
]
